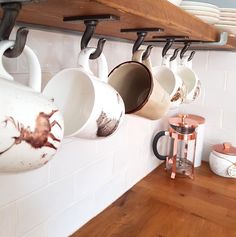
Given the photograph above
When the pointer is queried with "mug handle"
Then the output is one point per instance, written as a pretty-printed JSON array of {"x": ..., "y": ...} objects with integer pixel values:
[
  {"x": 83, "y": 60},
  {"x": 184, "y": 61},
  {"x": 34, "y": 66},
  {"x": 138, "y": 57},
  {"x": 155, "y": 142}
]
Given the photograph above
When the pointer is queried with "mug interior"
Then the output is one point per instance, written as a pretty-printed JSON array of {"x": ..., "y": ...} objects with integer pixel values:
[
  {"x": 133, "y": 81},
  {"x": 73, "y": 93},
  {"x": 188, "y": 77},
  {"x": 166, "y": 78}
]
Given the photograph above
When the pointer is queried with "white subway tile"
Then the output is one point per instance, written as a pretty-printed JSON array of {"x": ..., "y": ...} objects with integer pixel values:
[
  {"x": 200, "y": 60},
  {"x": 39, "y": 206},
  {"x": 214, "y": 135},
  {"x": 161, "y": 124},
  {"x": 70, "y": 220},
  {"x": 71, "y": 44},
  {"x": 228, "y": 99},
  {"x": 214, "y": 80},
  {"x": 212, "y": 115},
  {"x": 224, "y": 61},
  {"x": 112, "y": 49},
  {"x": 39, "y": 231},
  {"x": 134, "y": 170},
  {"x": 48, "y": 47},
  {"x": 138, "y": 129},
  {"x": 229, "y": 119},
  {"x": 8, "y": 221},
  {"x": 214, "y": 98},
  {"x": 150, "y": 161},
  {"x": 230, "y": 81},
  {"x": 115, "y": 141},
  {"x": 93, "y": 177},
  {"x": 122, "y": 158},
  {"x": 73, "y": 156},
  {"x": 16, "y": 185},
  {"x": 109, "y": 192}
]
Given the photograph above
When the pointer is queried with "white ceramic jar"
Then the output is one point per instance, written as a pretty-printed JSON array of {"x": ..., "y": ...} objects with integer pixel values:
[
  {"x": 222, "y": 160},
  {"x": 200, "y": 139}
]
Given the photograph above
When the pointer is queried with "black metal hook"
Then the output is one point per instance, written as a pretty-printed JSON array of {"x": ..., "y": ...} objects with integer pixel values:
[
  {"x": 21, "y": 37},
  {"x": 191, "y": 56},
  {"x": 147, "y": 52},
  {"x": 141, "y": 36},
  {"x": 99, "y": 49},
  {"x": 169, "y": 43},
  {"x": 88, "y": 33},
  {"x": 10, "y": 13},
  {"x": 187, "y": 44},
  {"x": 142, "y": 33},
  {"x": 91, "y": 22},
  {"x": 175, "y": 54}
]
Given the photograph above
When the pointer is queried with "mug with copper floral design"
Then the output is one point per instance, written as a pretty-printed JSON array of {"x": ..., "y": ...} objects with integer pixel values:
[
  {"x": 189, "y": 77},
  {"x": 169, "y": 80}
]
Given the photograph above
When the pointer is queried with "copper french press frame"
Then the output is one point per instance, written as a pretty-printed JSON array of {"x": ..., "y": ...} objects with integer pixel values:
[{"x": 181, "y": 129}]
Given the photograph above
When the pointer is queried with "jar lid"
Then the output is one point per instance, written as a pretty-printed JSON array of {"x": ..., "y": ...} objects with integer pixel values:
[
  {"x": 225, "y": 148},
  {"x": 182, "y": 124},
  {"x": 199, "y": 119}
]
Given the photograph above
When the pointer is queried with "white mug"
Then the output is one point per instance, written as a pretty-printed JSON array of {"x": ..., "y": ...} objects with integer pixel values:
[
  {"x": 31, "y": 127},
  {"x": 141, "y": 93},
  {"x": 91, "y": 108},
  {"x": 190, "y": 79},
  {"x": 170, "y": 81}
]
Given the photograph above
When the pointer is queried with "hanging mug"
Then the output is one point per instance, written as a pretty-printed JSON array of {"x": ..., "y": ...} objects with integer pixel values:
[
  {"x": 31, "y": 127},
  {"x": 91, "y": 108},
  {"x": 141, "y": 93},
  {"x": 169, "y": 80},
  {"x": 190, "y": 79}
]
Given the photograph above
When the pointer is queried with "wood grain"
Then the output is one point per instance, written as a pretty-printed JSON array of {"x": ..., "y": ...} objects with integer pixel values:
[
  {"x": 132, "y": 13},
  {"x": 160, "y": 207}
]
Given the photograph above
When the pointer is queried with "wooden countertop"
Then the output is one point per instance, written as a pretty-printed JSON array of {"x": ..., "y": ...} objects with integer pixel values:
[{"x": 160, "y": 207}]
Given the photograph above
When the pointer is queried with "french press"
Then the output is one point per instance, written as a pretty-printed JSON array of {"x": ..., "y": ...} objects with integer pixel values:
[{"x": 183, "y": 134}]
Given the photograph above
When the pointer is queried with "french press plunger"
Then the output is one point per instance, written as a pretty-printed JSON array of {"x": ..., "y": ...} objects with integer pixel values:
[{"x": 183, "y": 134}]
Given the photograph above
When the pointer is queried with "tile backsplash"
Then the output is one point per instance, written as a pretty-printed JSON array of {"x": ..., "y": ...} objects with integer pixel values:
[{"x": 87, "y": 175}]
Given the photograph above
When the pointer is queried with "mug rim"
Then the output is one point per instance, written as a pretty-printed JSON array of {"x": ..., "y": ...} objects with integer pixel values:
[
  {"x": 151, "y": 84},
  {"x": 176, "y": 77},
  {"x": 57, "y": 76}
]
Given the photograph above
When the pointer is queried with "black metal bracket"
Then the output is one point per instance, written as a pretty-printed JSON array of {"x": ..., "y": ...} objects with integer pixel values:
[
  {"x": 11, "y": 10},
  {"x": 142, "y": 33},
  {"x": 91, "y": 22}
]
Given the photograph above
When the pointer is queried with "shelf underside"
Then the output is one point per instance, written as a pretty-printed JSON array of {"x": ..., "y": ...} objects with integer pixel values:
[{"x": 133, "y": 14}]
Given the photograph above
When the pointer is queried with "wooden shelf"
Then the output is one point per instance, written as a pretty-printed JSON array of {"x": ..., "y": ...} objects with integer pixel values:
[
  {"x": 132, "y": 13},
  {"x": 159, "y": 206}
]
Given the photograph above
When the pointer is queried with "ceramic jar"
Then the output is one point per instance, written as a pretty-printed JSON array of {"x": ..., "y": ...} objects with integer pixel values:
[{"x": 222, "y": 160}]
